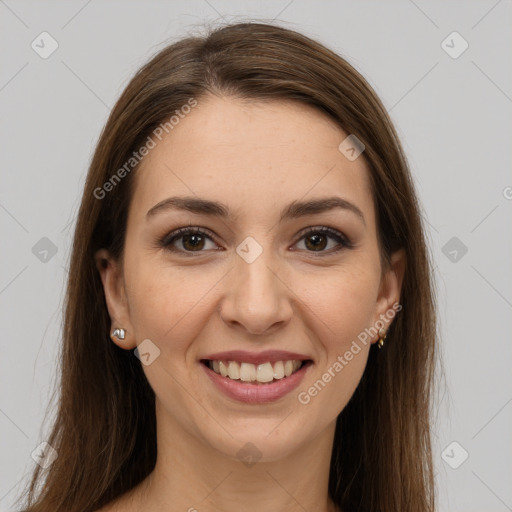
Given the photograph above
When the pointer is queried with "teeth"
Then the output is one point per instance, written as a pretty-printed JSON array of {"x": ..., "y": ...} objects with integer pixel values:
[
  {"x": 264, "y": 372},
  {"x": 233, "y": 370},
  {"x": 248, "y": 372},
  {"x": 288, "y": 368},
  {"x": 222, "y": 368},
  {"x": 278, "y": 370}
]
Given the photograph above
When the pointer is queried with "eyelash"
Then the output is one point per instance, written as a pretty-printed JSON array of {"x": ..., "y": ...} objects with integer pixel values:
[{"x": 167, "y": 241}]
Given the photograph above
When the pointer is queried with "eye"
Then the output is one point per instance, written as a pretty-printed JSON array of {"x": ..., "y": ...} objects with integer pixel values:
[
  {"x": 189, "y": 240},
  {"x": 317, "y": 239}
]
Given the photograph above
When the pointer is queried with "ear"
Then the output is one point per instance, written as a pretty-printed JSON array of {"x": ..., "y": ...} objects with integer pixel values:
[
  {"x": 115, "y": 297},
  {"x": 390, "y": 289}
]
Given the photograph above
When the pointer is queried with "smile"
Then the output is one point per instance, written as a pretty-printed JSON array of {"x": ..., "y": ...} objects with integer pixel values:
[
  {"x": 262, "y": 383},
  {"x": 261, "y": 373}
]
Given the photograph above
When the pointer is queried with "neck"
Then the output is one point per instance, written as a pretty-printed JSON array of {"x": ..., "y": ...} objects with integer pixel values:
[{"x": 193, "y": 476}]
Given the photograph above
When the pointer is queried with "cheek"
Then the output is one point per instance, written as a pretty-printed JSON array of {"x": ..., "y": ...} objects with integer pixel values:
[
  {"x": 343, "y": 308},
  {"x": 343, "y": 302},
  {"x": 167, "y": 305},
  {"x": 332, "y": 389}
]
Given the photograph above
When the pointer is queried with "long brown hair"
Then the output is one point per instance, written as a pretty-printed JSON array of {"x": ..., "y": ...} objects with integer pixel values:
[{"x": 105, "y": 426}]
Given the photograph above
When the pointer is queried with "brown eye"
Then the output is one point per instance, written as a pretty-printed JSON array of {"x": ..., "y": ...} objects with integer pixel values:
[
  {"x": 317, "y": 240},
  {"x": 188, "y": 240}
]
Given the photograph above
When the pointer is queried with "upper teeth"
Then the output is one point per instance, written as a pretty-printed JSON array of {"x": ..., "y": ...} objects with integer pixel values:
[{"x": 249, "y": 372}]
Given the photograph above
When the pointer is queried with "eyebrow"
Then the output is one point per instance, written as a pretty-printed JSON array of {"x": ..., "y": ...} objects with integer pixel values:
[{"x": 294, "y": 210}]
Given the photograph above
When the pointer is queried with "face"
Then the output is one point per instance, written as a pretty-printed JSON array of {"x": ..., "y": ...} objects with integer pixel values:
[{"x": 262, "y": 275}]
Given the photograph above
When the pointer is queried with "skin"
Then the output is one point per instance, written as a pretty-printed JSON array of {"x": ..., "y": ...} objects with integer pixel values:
[{"x": 256, "y": 158}]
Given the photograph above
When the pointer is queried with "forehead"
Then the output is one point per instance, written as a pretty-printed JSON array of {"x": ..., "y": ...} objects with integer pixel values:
[{"x": 252, "y": 155}]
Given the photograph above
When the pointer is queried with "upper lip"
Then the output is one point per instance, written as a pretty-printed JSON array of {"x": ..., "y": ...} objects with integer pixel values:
[{"x": 256, "y": 357}]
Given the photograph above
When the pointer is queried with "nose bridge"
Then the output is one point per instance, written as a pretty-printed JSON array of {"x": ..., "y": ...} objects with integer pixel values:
[
  {"x": 256, "y": 296},
  {"x": 258, "y": 278}
]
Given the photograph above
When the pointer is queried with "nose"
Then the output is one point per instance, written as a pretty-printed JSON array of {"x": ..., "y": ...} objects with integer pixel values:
[{"x": 256, "y": 297}]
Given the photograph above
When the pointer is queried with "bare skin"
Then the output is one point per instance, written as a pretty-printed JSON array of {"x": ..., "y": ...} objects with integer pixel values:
[{"x": 297, "y": 295}]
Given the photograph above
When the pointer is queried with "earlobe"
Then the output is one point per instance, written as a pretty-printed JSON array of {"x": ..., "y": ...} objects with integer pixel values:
[{"x": 115, "y": 297}]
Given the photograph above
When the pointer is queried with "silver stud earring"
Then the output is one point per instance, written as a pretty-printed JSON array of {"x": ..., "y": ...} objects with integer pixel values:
[{"x": 118, "y": 333}]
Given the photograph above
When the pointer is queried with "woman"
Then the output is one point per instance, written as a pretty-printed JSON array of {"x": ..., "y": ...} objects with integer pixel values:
[{"x": 250, "y": 317}]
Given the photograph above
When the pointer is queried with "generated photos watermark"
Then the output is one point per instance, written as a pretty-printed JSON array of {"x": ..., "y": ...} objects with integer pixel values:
[
  {"x": 137, "y": 156},
  {"x": 305, "y": 397}
]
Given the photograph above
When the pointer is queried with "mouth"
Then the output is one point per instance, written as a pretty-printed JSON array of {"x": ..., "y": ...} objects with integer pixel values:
[
  {"x": 256, "y": 384},
  {"x": 255, "y": 377},
  {"x": 263, "y": 374}
]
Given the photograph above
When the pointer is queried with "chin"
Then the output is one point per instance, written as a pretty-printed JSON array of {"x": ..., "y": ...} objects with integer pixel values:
[{"x": 265, "y": 440}]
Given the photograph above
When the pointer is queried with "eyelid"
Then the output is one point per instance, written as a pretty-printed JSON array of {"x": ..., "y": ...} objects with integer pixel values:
[{"x": 338, "y": 236}]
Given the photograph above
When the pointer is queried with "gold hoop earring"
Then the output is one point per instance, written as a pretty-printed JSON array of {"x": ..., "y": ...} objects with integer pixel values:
[{"x": 382, "y": 336}]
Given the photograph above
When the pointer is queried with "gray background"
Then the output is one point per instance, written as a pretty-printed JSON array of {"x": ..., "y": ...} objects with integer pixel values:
[{"x": 454, "y": 118}]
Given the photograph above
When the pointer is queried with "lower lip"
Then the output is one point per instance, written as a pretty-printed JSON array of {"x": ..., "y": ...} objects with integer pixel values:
[{"x": 250, "y": 393}]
